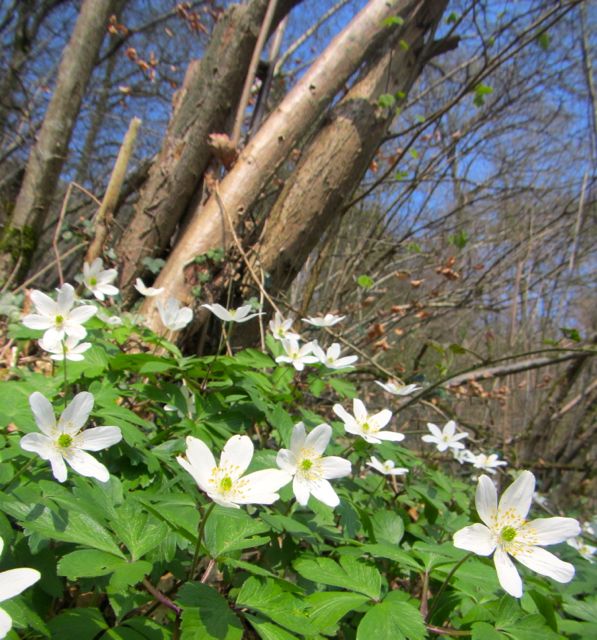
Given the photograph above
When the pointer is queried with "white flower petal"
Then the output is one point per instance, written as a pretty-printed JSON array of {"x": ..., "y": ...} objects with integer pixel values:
[
  {"x": 100, "y": 438},
  {"x": 553, "y": 530},
  {"x": 341, "y": 412},
  {"x": 286, "y": 460},
  {"x": 43, "y": 412},
  {"x": 301, "y": 490},
  {"x": 476, "y": 538},
  {"x": 86, "y": 465},
  {"x": 199, "y": 461},
  {"x": 76, "y": 413},
  {"x": 35, "y": 321},
  {"x": 15, "y": 581},
  {"x": 43, "y": 303},
  {"x": 359, "y": 410},
  {"x": 519, "y": 495},
  {"x": 324, "y": 492},
  {"x": 38, "y": 443},
  {"x": 65, "y": 298},
  {"x": 237, "y": 455},
  {"x": 319, "y": 438},
  {"x": 429, "y": 438},
  {"x": 546, "y": 564},
  {"x": 5, "y": 623},
  {"x": 486, "y": 500},
  {"x": 392, "y": 436},
  {"x": 435, "y": 430},
  {"x": 263, "y": 485},
  {"x": 297, "y": 440},
  {"x": 219, "y": 311},
  {"x": 380, "y": 419},
  {"x": 335, "y": 467},
  {"x": 59, "y": 470},
  {"x": 450, "y": 428},
  {"x": 507, "y": 574},
  {"x": 80, "y": 315}
]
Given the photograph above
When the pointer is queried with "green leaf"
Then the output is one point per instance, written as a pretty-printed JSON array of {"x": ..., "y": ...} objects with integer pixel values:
[
  {"x": 255, "y": 359},
  {"x": 133, "y": 529},
  {"x": 485, "y": 631},
  {"x": 387, "y": 527},
  {"x": 543, "y": 40},
  {"x": 459, "y": 240},
  {"x": 207, "y": 615},
  {"x": 392, "y": 620},
  {"x": 344, "y": 388},
  {"x": 231, "y": 530},
  {"x": 571, "y": 334},
  {"x": 268, "y": 630},
  {"x": 366, "y": 282},
  {"x": 329, "y": 607},
  {"x": 393, "y": 21},
  {"x": 529, "y": 628},
  {"x": 129, "y": 574},
  {"x": 386, "y": 101},
  {"x": 269, "y": 598},
  {"x": 88, "y": 563},
  {"x": 350, "y": 574},
  {"x": 481, "y": 90},
  {"x": 82, "y": 624}
]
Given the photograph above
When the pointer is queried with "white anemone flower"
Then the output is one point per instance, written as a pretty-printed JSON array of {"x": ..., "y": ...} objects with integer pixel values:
[
  {"x": 12, "y": 583},
  {"x": 388, "y": 467},
  {"x": 445, "y": 438},
  {"x": 311, "y": 471},
  {"x": 486, "y": 462},
  {"x": 68, "y": 348},
  {"x": 97, "y": 279},
  {"x": 281, "y": 328},
  {"x": 297, "y": 356},
  {"x": 113, "y": 321},
  {"x": 65, "y": 442},
  {"x": 587, "y": 551},
  {"x": 463, "y": 455},
  {"x": 367, "y": 426},
  {"x": 174, "y": 316},
  {"x": 506, "y": 532},
  {"x": 148, "y": 292},
  {"x": 329, "y": 320},
  {"x": 225, "y": 483},
  {"x": 331, "y": 358},
  {"x": 59, "y": 318},
  {"x": 242, "y": 314},
  {"x": 397, "y": 389}
]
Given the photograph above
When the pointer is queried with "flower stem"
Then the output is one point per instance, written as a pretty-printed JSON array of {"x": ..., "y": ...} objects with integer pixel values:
[
  {"x": 64, "y": 369},
  {"x": 437, "y": 596},
  {"x": 18, "y": 472},
  {"x": 200, "y": 532}
]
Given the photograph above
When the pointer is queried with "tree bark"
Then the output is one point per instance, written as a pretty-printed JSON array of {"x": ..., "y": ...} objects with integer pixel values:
[
  {"x": 273, "y": 143},
  {"x": 49, "y": 153},
  {"x": 334, "y": 163},
  {"x": 206, "y": 103}
]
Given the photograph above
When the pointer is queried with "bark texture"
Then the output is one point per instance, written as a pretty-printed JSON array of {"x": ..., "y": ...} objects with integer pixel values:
[
  {"x": 336, "y": 160},
  {"x": 49, "y": 153},
  {"x": 272, "y": 144},
  {"x": 206, "y": 103}
]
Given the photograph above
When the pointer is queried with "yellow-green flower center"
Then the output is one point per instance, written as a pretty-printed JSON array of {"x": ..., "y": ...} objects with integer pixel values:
[
  {"x": 366, "y": 427},
  {"x": 508, "y": 534},
  {"x": 306, "y": 465},
  {"x": 226, "y": 483},
  {"x": 64, "y": 440},
  {"x": 59, "y": 319},
  {"x": 92, "y": 281}
]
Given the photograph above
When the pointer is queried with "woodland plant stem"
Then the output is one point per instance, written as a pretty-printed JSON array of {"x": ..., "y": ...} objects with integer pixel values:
[
  {"x": 437, "y": 596},
  {"x": 200, "y": 531},
  {"x": 19, "y": 471}
]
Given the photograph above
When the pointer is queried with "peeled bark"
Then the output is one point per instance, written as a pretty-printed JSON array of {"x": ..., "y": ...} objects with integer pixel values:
[
  {"x": 207, "y": 101},
  {"x": 273, "y": 143},
  {"x": 49, "y": 153},
  {"x": 334, "y": 163}
]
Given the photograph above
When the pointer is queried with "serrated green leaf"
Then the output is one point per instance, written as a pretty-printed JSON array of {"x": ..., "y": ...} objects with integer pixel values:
[
  {"x": 329, "y": 607},
  {"x": 229, "y": 530},
  {"x": 350, "y": 574},
  {"x": 88, "y": 563},
  {"x": 82, "y": 624},
  {"x": 207, "y": 615},
  {"x": 268, "y": 630},
  {"x": 387, "y": 526},
  {"x": 486, "y": 631},
  {"x": 392, "y": 620}
]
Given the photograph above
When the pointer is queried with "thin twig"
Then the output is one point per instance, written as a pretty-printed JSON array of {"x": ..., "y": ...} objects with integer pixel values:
[
  {"x": 56, "y": 237},
  {"x": 160, "y": 597}
]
